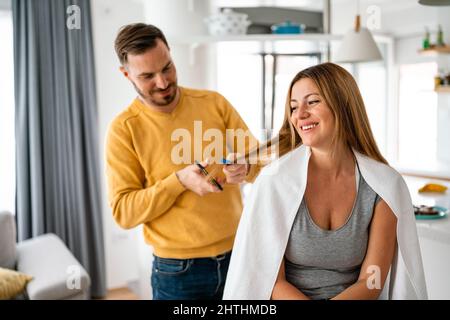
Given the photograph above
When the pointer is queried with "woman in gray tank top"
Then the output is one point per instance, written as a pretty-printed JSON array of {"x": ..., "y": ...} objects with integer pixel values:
[
  {"x": 343, "y": 238},
  {"x": 322, "y": 263}
]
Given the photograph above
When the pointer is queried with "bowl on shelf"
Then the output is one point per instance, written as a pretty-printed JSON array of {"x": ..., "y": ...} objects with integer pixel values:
[{"x": 228, "y": 22}]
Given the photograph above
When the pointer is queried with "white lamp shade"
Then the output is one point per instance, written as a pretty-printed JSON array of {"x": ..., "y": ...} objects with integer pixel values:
[{"x": 358, "y": 47}]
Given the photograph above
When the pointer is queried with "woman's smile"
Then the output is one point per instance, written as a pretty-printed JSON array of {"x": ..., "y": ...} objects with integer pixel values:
[{"x": 309, "y": 126}]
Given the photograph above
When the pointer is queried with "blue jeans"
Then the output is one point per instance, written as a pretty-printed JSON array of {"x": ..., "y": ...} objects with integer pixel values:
[{"x": 189, "y": 279}]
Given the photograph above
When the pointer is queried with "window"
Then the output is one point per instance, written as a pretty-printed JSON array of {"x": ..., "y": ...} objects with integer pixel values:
[
  {"x": 7, "y": 139},
  {"x": 372, "y": 79},
  {"x": 287, "y": 66},
  {"x": 245, "y": 68},
  {"x": 239, "y": 74},
  {"x": 417, "y": 115}
]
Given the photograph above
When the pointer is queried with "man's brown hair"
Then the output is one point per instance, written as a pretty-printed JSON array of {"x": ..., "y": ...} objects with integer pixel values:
[{"x": 136, "y": 38}]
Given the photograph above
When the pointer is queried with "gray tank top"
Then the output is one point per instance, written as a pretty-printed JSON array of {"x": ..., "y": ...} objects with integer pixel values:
[{"x": 322, "y": 263}]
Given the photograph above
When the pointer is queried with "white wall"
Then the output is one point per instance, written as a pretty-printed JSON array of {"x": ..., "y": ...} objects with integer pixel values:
[
  {"x": 396, "y": 17},
  {"x": 180, "y": 20},
  {"x": 409, "y": 27},
  {"x": 7, "y": 115},
  {"x": 444, "y": 99},
  {"x": 405, "y": 20},
  {"x": 5, "y": 4},
  {"x": 114, "y": 93}
]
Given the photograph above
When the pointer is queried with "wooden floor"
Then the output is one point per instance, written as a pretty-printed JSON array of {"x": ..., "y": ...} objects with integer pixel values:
[{"x": 120, "y": 294}]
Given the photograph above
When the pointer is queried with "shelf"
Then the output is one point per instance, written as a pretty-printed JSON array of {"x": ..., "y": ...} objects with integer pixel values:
[
  {"x": 435, "y": 51},
  {"x": 256, "y": 37},
  {"x": 313, "y": 37},
  {"x": 442, "y": 89}
]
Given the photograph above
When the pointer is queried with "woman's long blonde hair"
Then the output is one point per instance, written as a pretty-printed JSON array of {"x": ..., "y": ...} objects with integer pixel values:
[{"x": 339, "y": 90}]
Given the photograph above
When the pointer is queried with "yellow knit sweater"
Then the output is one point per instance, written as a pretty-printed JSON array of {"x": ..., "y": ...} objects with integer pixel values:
[{"x": 143, "y": 187}]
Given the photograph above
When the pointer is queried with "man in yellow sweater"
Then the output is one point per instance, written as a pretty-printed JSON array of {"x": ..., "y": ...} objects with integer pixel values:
[{"x": 153, "y": 181}]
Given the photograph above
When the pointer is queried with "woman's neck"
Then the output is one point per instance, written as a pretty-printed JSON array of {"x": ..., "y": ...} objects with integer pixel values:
[{"x": 341, "y": 162}]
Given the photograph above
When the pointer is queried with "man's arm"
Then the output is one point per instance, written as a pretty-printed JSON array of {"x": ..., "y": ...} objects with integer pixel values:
[
  {"x": 131, "y": 202},
  {"x": 243, "y": 141}
]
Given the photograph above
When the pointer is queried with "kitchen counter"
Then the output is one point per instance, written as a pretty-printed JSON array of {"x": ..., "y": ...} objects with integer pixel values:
[
  {"x": 438, "y": 229},
  {"x": 434, "y": 238},
  {"x": 435, "y": 170}
]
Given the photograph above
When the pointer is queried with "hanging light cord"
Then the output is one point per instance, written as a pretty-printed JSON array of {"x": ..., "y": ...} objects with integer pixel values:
[{"x": 358, "y": 18}]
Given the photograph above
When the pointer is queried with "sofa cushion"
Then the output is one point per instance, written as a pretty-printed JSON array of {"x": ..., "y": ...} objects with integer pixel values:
[
  {"x": 7, "y": 240},
  {"x": 12, "y": 283},
  {"x": 57, "y": 273}
]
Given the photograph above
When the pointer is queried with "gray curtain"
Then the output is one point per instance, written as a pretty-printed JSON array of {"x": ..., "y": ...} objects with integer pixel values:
[{"x": 58, "y": 177}]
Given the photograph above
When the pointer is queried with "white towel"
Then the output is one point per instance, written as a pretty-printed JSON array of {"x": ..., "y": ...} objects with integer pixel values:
[{"x": 270, "y": 211}]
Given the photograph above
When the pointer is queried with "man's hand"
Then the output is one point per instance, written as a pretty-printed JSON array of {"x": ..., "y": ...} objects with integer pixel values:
[
  {"x": 191, "y": 178},
  {"x": 235, "y": 173}
]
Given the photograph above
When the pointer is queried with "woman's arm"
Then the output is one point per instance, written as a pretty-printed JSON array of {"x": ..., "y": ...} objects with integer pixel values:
[
  {"x": 380, "y": 252},
  {"x": 283, "y": 290}
]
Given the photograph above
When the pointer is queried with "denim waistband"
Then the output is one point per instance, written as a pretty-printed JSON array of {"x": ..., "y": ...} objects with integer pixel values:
[{"x": 220, "y": 257}]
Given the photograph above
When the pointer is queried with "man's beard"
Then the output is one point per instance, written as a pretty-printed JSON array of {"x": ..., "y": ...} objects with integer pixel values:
[{"x": 162, "y": 102}]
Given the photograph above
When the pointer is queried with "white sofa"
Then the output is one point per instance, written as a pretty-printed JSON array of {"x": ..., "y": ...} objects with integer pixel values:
[{"x": 57, "y": 275}]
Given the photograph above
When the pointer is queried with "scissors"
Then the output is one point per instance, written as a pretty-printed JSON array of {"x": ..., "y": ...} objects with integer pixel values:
[{"x": 206, "y": 173}]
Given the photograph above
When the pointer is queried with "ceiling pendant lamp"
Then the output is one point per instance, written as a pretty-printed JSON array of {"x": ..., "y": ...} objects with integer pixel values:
[{"x": 358, "y": 45}]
